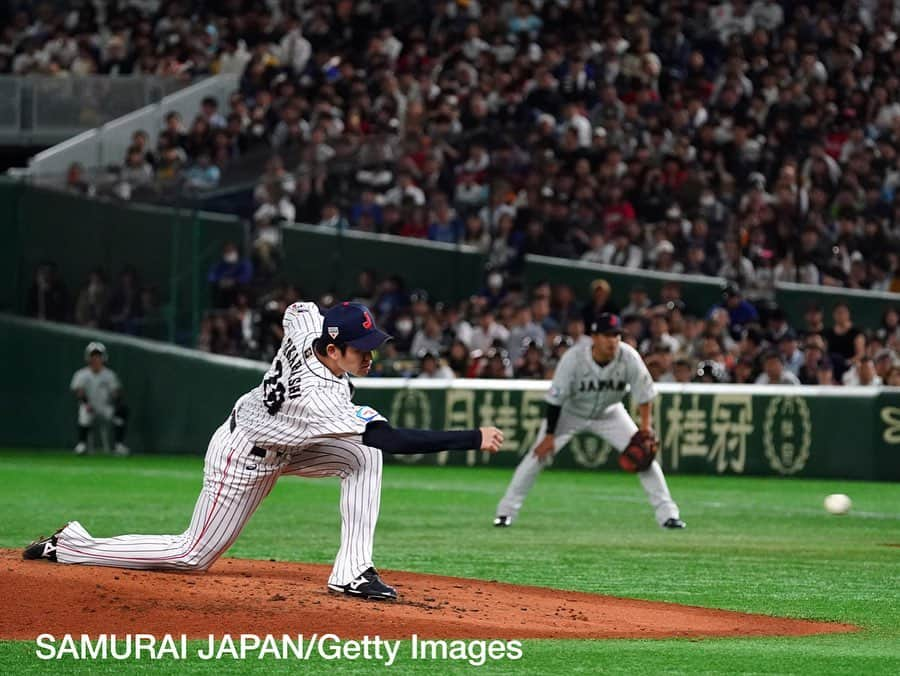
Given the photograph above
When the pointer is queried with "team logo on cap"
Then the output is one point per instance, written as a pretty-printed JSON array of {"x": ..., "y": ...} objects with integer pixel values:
[{"x": 333, "y": 331}]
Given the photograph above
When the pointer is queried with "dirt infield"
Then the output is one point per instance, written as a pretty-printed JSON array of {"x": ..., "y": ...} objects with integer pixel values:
[{"x": 261, "y": 597}]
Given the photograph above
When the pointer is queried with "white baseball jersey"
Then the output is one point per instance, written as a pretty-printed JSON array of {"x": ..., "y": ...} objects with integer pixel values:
[
  {"x": 301, "y": 408},
  {"x": 585, "y": 389},
  {"x": 591, "y": 399},
  {"x": 99, "y": 388},
  {"x": 299, "y": 399}
]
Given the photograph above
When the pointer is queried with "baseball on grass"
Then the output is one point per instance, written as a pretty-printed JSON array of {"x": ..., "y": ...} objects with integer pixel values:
[{"x": 838, "y": 503}]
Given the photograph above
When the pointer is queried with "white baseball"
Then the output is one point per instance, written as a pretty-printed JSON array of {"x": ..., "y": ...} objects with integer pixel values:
[{"x": 838, "y": 503}]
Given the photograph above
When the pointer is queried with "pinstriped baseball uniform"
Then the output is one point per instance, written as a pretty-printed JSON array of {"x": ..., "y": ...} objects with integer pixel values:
[
  {"x": 300, "y": 420},
  {"x": 591, "y": 399}
]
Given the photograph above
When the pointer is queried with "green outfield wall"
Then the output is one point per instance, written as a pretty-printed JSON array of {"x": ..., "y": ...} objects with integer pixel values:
[
  {"x": 699, "y": 293},
  {"x": 178, "y": 397},
  {"x": 328, "y": 260},
  {"x": 173, "y": 249}
]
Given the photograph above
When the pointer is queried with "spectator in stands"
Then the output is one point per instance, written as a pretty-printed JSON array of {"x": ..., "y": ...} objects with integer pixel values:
[
  {"x": 136, "y": 175},
  {"x": 230, "y": 276},
  {"x": 332, "y": 217},
  {"x": 267, "y": 246},
  {"x": 813, "y": 322},
  {"x": 740, "y": 311},
  {"x": 884, "y": 361},
  {"x": 792, "y": 356},
  {"x": 125, "y": 303},
  {"x": 862, "y": 373},
  {"x": 429, "y": 338},
  {"x": 488, "y": 332},
  {"x": 530, "y": 365},
  {"x": 48, "y": 298},
  {"x": 523, "y": 331},
  {"x": 458, "y": 359},
  {"x": 601, "y": 301},
  {"x": 496, "y": 364},
  {"x": 92, "y": 306},
  {"x": 639, "y": 302},
  {"x": 444, "y": 225},
  {"x": 77, "y": 181},
  {"x": 209, "y": 109},
  {"x": 275, "y": 206},
  {"x": 682, "y": 371},
  {"x": 825, "y": 372},
  {"x": 843, "y": 338},
  {"x": 203, "y": 174},
  {"x": 893, "y": 377},
  {"x": 774, "y": 372},
  {"x": 430, "y": 366}
]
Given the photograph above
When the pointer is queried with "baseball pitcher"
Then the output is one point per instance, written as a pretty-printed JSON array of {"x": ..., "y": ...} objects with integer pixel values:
[
  {"x": 299, "y": 420},
  {"x": 587, "y": 391}
]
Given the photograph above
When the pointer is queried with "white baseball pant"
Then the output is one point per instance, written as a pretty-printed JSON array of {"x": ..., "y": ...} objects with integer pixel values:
[
  {"x": 234, "y": 484},
  {"x": 616, "y": 427}
]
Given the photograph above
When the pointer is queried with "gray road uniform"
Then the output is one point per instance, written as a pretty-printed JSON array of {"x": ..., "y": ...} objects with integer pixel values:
[{"x": 590, "y": 397}]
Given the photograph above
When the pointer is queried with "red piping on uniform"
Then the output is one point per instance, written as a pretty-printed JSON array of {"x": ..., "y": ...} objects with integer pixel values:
[{"x": 165, "y": 558}]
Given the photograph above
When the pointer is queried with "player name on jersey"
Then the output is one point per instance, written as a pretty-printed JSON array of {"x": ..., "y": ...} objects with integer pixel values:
[{"x": 292, "y": 354}]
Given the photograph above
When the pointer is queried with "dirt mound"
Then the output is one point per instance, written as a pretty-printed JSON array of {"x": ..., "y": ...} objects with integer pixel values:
[{"x": 261, "y": 597}]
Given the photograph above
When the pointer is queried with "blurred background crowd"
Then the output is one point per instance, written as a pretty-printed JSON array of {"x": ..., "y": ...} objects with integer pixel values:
[{"x": 756, "y": 141}]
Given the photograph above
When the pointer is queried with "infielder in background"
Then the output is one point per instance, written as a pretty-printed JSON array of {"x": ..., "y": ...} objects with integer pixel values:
[
  {"x": 587, "y": 391},
  {"x": 99, "y": 395},
  {"x": 299, "y": 420}
]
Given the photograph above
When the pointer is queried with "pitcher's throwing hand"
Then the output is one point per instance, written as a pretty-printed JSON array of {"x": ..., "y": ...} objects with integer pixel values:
[{"x": 491, "y": 439}]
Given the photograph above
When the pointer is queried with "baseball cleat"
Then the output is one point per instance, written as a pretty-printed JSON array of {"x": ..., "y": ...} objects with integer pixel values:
[
  {"x": 674, "y": 523},
  {"x": 80, "y": 448},
  {"x": 367, "y": 586},
  {"x": 121, "y": 450},
  {"x": 42, "y": 548},
  {"x": 502, "y": 521}
]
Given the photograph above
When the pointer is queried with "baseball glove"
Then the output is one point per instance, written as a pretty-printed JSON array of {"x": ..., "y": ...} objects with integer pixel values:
[{"x": 639, "y": 453}]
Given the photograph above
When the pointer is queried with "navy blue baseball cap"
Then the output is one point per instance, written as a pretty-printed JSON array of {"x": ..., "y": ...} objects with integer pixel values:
[
  {"x": 606, "y": 322},
  {"x": 352, "y": 324}
]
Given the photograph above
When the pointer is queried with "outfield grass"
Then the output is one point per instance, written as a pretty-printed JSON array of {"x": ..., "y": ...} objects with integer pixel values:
[{"x": 756, "y": 545}]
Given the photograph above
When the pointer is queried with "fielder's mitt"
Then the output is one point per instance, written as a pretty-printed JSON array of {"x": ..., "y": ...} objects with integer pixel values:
[{"x": 639, "y": 454}]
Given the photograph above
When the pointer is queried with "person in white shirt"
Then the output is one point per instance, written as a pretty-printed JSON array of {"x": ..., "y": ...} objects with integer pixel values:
[
  {"x": 294, "y": 49},
  {"x": 432, "y": 367},
  {"x": 487, "y": 331},
  {"x": 793, "y": 357},
  {"x": 862, "y": 375},
  {"x": 774, "y": 372}
]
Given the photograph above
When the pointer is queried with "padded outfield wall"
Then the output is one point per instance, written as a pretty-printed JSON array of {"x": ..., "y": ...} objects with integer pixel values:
[{"x": 178, "y": 397}]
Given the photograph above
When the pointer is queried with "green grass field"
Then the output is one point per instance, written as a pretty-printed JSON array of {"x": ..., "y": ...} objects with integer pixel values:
[{"x": 755, "y": 545}]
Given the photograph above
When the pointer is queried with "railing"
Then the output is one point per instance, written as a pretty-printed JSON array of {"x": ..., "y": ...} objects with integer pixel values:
[
  {"x": 107, "y": 142},
  {"x": 43, "y": 110}
]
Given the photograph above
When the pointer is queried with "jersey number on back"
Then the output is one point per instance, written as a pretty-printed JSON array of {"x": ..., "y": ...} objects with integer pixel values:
[{"x": 273, "y": 390}]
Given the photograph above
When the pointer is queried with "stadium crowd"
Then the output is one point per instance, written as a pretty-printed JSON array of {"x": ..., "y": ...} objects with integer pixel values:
[
  {"x": 757, "y": 141},
  {"x": 507, "y": 331}
]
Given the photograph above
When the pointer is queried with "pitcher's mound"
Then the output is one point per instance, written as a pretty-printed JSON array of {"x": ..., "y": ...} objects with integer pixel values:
[{"x": 259, "y": 597}]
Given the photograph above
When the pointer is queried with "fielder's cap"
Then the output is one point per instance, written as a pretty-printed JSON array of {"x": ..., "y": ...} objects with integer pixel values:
[
  {"x": 606, "y": 322},
  {"x": 95, "y": 347},
  {"x": 352, "y": 324}
]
